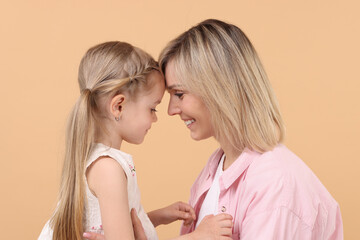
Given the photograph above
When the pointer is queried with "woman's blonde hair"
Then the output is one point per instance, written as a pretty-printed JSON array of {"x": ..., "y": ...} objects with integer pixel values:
[
  {"x": 105, "y": 70},
  {"x": 217, "y": 62}
]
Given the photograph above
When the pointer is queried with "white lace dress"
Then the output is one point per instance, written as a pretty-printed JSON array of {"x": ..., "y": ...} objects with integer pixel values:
[{"x": 93, "y": 216}]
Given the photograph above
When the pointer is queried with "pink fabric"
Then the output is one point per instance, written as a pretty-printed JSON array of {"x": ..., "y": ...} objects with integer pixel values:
[{"x": 273, "y": 195}]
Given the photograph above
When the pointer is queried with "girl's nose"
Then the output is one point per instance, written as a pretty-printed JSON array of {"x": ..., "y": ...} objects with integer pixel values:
[{"x": 155, "y": 118}]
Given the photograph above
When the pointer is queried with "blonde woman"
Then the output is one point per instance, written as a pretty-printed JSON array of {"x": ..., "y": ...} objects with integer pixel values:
[
  {"x": 120, "y": 87},
  {"x": 219, "y": 88}
]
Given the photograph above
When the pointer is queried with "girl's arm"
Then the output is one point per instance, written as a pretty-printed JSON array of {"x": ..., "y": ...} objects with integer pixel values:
[
  {"x": 107, "y": 181},
  {"x": 171, "y": 213},
  {"x": 212, "y": 227}
]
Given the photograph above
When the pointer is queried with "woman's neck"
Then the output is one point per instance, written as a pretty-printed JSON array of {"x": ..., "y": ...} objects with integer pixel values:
[{"x": 231, "y": 153}]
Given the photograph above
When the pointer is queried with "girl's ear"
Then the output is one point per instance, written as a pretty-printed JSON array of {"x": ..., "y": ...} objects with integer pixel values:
[{"x": 116, "y": 106}]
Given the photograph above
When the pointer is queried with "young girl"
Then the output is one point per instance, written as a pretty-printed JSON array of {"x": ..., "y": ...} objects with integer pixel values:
[
  {"x": 219, "y": 88},
  {"x": 120, "y": 87}
]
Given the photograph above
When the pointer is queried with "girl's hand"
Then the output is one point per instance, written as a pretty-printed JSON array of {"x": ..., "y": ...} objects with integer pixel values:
[
  {"x": 173, "y": 212},
  {"x": 214, "y": 227},
  {"x": 93, "y": 236},
  {"x": 139, "y": 232}
]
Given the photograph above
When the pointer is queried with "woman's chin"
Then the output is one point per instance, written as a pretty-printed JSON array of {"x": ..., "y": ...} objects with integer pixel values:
[{"x": 198, "y": 137}]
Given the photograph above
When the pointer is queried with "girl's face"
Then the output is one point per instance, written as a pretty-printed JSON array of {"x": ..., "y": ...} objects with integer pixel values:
[
  {"x": 188, "y": 106},
  {"x": 139, "y": 114}
]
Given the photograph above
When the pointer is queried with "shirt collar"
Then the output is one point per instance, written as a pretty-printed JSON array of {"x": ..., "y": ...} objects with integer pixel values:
[{"x": 236, "y": 169}]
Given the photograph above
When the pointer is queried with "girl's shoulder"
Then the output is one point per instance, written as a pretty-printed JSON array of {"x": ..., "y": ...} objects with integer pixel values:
[{"x": 101, "y": 150}]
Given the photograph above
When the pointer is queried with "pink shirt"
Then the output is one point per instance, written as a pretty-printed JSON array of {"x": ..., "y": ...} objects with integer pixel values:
[{"x": 273, "y": 195}]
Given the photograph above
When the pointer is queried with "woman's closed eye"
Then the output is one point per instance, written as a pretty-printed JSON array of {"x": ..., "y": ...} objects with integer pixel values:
[{"x": 179, "y": 94}]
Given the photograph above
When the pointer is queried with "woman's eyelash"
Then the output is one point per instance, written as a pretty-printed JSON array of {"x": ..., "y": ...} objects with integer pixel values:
[{"x": 179, "y": 94}]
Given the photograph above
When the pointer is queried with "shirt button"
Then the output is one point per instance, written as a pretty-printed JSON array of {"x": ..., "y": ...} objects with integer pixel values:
[{"x": 223, "y": 209}]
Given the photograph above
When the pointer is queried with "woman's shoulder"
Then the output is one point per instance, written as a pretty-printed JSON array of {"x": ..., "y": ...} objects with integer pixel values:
[
  {"x": 278, "y": 162},
  {"x": 279, "y": 180},
  {"x": 282, "y": 168},
  {"x": 282, "y": 179}
]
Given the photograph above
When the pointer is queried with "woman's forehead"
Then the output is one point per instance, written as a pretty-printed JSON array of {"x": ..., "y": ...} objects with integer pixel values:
[{"x": 170, "y": 76}]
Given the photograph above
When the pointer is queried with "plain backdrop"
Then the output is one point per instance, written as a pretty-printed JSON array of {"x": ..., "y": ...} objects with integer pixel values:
[{"x": 310, "y": 50}]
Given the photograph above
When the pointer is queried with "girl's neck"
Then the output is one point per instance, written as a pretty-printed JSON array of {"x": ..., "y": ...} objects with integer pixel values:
[
  {"x": 109, "y": 144},
  {"x": 109, "y": 141}
]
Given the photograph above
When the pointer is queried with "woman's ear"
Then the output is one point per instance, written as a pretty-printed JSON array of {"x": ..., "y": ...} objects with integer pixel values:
[{"x": 116, "y": 106}]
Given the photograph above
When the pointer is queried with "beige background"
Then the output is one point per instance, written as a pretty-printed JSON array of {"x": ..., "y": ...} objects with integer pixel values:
[{"x": 309, "y": 48}]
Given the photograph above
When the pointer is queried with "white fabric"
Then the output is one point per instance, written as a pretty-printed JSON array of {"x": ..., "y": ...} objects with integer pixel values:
[
  {"x": 211, "y": 201},
  {"x": 93, "y": 216},
  {"x": 46, "y": 233}
]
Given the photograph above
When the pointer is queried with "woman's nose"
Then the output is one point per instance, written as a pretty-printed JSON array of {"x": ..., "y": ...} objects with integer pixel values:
[{"x": 173, "y": 107}]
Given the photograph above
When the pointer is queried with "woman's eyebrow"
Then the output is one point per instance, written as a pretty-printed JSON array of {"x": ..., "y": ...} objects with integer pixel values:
[{"x": 168, "y": 88}]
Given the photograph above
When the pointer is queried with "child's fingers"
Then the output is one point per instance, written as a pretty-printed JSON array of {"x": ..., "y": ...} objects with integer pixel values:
[
  {"x": 93, "y": 236},
  {"x": 187, "y": 208},
  {"x": 188, "y": 221},
  {"x": 184, "y": 207},
  {"x": 187, "y": 217},
  {"x": 183, "y": 215},
  {"x": 137, "y": 226},
  {"x": 192, "y": 212}
]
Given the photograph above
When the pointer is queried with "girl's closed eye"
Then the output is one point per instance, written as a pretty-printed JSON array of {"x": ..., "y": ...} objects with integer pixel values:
[{"x": 153, "y": 110}]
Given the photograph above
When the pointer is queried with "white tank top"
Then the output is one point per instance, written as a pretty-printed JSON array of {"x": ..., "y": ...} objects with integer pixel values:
[
  {"x": 211, "y": 201},
  {"x": 93, "y": 216}
]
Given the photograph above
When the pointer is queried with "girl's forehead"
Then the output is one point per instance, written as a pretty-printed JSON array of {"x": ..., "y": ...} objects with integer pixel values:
[{"x": 155, "y": 75}]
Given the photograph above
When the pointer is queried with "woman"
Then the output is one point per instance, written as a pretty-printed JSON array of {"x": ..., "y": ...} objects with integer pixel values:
[{"x": 219, "y": 88}]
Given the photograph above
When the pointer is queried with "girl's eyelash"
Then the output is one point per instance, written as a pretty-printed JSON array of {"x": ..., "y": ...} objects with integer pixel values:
[{"x": 153, "y": 110}]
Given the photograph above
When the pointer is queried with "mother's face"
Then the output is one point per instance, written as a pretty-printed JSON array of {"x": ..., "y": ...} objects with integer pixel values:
[{"x": 188, "y": 106}]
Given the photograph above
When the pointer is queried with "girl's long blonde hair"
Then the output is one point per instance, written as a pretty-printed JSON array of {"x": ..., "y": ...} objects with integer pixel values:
[
  {"x": 217, "y": 62},
  {"x": 105, "y": 70}
]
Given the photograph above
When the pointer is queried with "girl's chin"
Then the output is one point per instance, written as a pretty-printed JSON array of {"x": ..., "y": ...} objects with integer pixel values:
[{"x": 136, "y": 141}]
